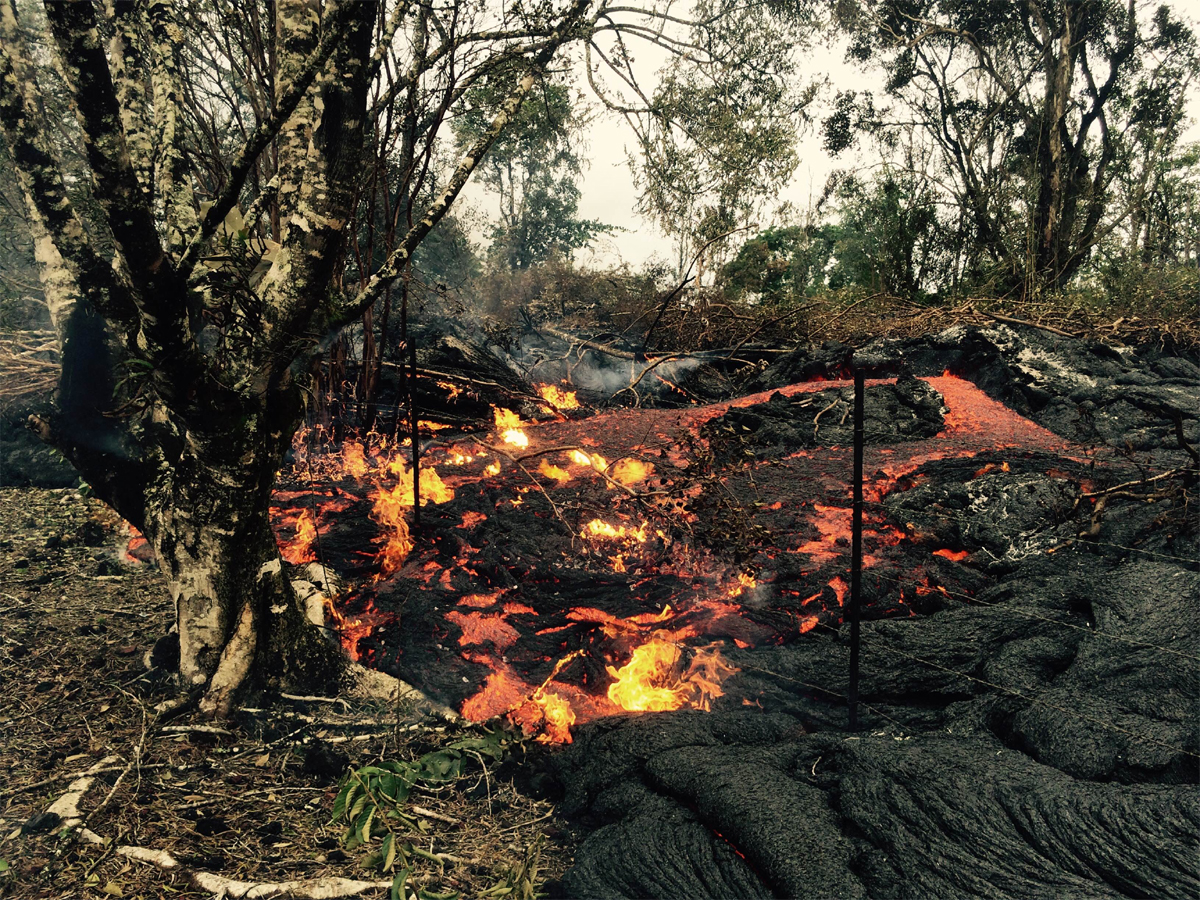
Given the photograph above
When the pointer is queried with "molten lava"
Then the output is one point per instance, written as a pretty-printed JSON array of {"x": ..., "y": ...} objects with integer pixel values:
[{"x": 492, "y": 567}]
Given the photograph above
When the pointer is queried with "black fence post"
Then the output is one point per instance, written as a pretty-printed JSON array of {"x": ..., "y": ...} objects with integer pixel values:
[{"x": 856, "y": 547}]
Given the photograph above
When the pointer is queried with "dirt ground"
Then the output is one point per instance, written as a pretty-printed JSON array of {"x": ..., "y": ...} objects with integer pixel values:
[{"x": 251, "y": 802}]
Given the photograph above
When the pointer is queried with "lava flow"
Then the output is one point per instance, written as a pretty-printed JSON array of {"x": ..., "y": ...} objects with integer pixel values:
[{"x": 551, "y": 586}]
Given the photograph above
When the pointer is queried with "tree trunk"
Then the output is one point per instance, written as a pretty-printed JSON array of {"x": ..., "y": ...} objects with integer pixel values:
[{"x": 240, "y": 624}]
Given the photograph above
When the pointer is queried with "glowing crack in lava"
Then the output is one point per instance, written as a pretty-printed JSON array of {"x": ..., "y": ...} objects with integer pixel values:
[{"x": 502, "y": 550}]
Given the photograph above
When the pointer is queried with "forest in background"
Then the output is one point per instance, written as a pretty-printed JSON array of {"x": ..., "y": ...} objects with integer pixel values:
[{"x": 1031, "y": 160}]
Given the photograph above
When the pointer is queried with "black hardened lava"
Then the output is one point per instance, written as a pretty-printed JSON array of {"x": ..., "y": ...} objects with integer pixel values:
[{"x": 1032, "y": 732}]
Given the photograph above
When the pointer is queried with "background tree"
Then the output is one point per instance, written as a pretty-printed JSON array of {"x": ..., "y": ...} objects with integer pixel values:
[
  {"x": 533, "y": 169},
  {"x": 1033, "y": 108},
  {"x": 716, "y": 139}
]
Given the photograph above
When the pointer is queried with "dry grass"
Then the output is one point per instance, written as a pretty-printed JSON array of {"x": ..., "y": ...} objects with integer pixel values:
[{"x": 855, "y": 318}]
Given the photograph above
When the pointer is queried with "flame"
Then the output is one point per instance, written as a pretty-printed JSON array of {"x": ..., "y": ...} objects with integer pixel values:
[
  {"x": 595, "y": 460},
  {"x": 631, "y": 471},
  {"x": 452, "y": 390},
  {"x": 649, "y": 683},
  {"x": 508, "y": 423},
  {"x": 601, "y": 530},
  {"x": 553, "y": 472},
  {"x": 351, "y": 631},
  {"x": 557, "y": 397},
  {"x": 354, "y": 459},
  {"x": 433, "y": 489},
  {"x": 558, "y": 715},
  {"x": 299, "y": 549},
  {"x": 391, "y": 506},
  {"x": 389, "y": 511},
  {"x": 493, "y": 468},
  {"x": 744, "y": 581}
]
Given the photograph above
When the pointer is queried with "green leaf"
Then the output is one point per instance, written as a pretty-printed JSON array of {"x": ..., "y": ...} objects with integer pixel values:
[
  {"x": 398, "y": 890},
  {"x": 358, "y": 807},
  {"x": 362, "y": 827},
  {"x": 4, "y": 866},
  {"x": 339, "y": 802},
  {"x": 389, "y": 852}
]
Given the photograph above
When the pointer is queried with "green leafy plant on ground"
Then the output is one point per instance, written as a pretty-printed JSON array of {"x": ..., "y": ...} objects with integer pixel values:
[{"x": 371, "y": 805}]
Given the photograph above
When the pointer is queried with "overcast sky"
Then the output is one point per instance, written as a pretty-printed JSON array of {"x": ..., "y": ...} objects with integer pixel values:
[{"x": 609, "y": 195}]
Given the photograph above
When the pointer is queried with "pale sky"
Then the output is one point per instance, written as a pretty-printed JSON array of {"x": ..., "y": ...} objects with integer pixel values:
[{"x": 609, "y": 194}]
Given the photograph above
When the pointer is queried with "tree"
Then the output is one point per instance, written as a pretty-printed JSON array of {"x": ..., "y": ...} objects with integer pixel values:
[
  {"x": 180, "y": 390},
  {"x": 1032, "y": 107},
  {"x": 187, "y": 329},
  {"x": 716, "y": 138},
  {"x": 533, "y": 169}
]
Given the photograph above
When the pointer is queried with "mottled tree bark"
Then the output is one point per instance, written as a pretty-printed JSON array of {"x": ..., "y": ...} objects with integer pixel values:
[{"x": 176, "y": 411}]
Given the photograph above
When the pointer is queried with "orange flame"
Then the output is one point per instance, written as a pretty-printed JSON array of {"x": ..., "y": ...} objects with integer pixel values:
[
  {"x": 631, "y": 471},
  {"x": 559, "y": 398},
  {"x": 558, "y": 715},
  {"x": 389, "y": 511},
  {"x": 508, "y": 423},
  {"x": 595, "y": 460},
  {"x": 553, "y": 472},
  {"x": 354, "y": 459},
  {"x": 649, "y": 683},
  {"x": 391, "y": 507},
  {"x": 744, "y": 581},
  {"x": 601, "y": 530},
  {"x": 299, "y": 549}
]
